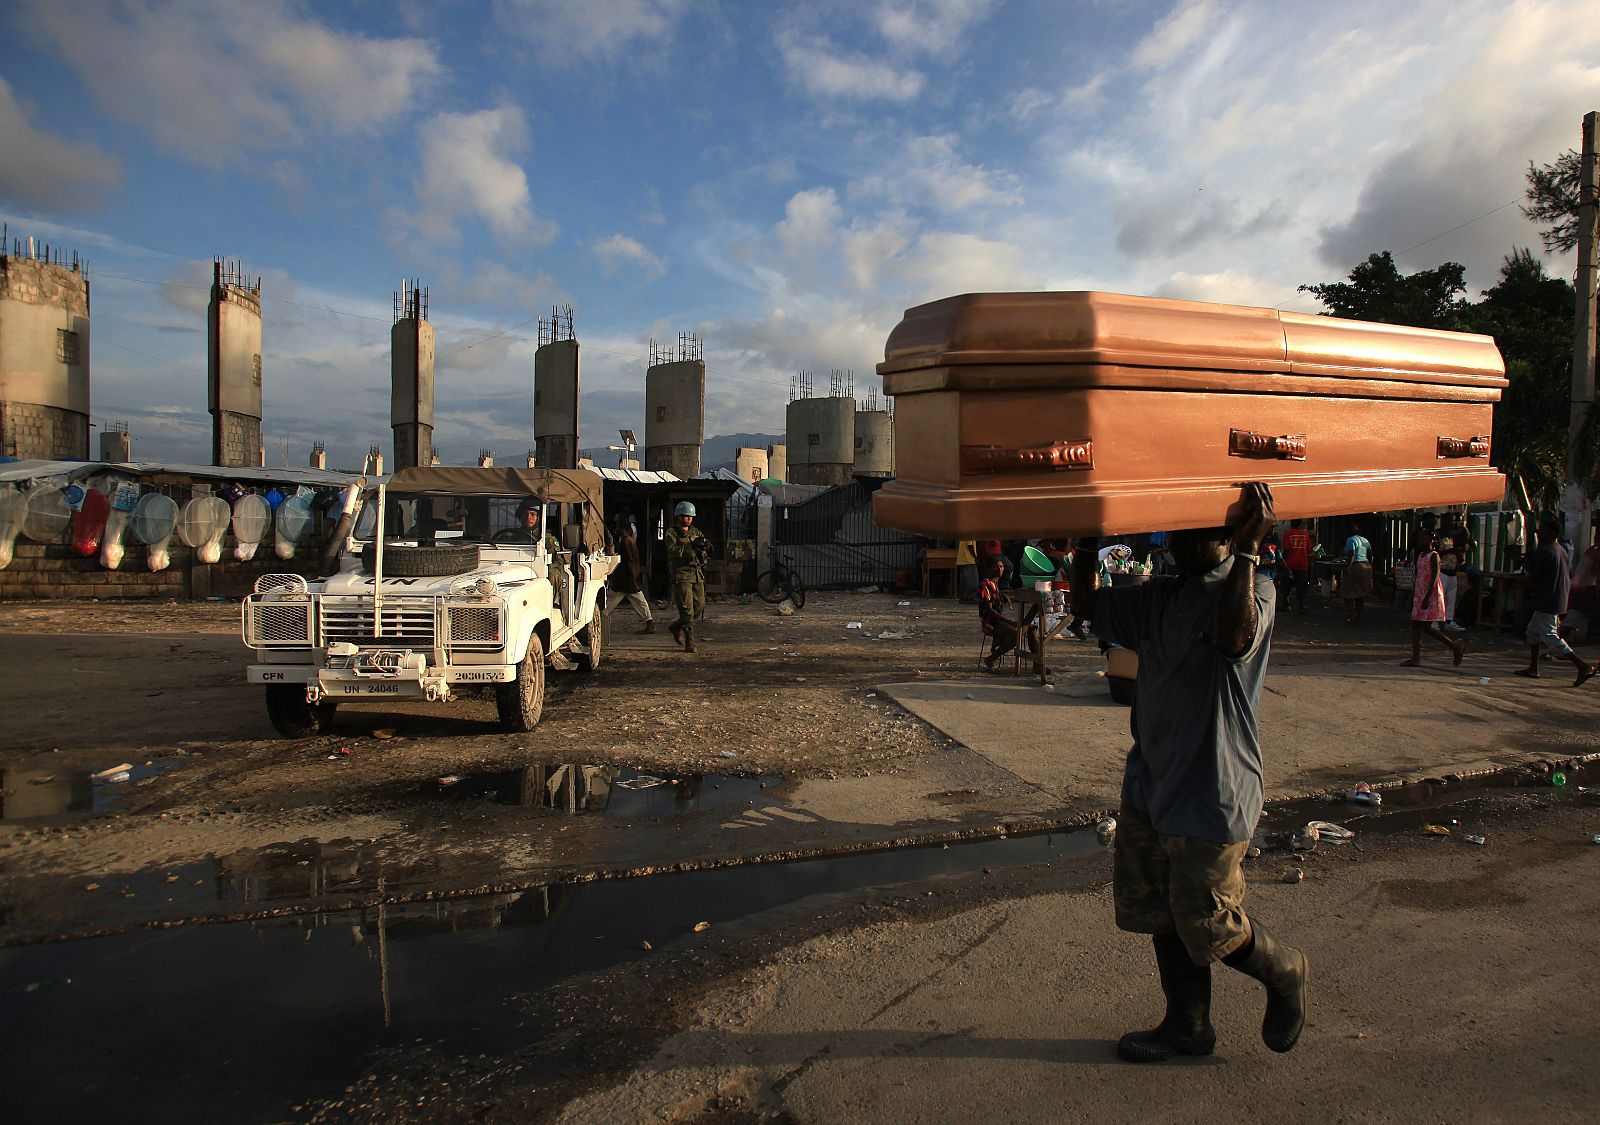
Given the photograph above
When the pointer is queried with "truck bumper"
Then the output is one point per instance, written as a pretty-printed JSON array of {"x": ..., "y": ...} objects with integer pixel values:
[{"x": 412, "y": 680}]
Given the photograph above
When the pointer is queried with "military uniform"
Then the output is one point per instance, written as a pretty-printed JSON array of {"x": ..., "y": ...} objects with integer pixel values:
[{"x": 686, "y": 558}]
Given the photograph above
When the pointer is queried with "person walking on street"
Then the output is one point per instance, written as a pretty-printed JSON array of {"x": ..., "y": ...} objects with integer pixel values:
[
  {"x": 1297, "y": 546},
  {"x": 1191, "y": 789},
  {"x": 686, "y": 555},
  {"x": 1453, "y": 544},
  {"x": 1549, "y": 585},
  {"x": 1357, "y": 582},
  {"x": 627, "y": 579},
  {"x": 1427, "y": 603}
]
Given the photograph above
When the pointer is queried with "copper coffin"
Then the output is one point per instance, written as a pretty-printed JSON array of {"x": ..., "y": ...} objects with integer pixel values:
[{"x": 1040, "y": 414}]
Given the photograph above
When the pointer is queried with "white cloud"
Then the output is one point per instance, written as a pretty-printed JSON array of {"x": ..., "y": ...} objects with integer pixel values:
[
  {"x": 468, "y": 171},
  {"x": 43, "y": 171},
  {"x": 936, "y": 27},
  {"x": 587, "y": 30},
  {"x": 930, "y": 173},
  {"x": 809, "y": 230},
  {"x": 824, "y": 70},
  {"x": 618, "y": 251},
  {"x": 1180, "y": 33},
  {"x": 209, "y": 77}
]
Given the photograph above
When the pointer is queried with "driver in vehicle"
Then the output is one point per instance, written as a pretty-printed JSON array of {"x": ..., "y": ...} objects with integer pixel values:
[{"x": 526, "y": 528}]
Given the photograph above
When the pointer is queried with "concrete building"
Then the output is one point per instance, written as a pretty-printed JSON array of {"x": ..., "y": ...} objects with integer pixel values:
[
  {"x": 874, "y": 443},
  {"x": 44, "y": 353},
  {"x": 116, "y": 444},
  {"x": 778, "y": 462},
  {"x": 233, "y": 366},
  {"x": 750, "y": 463},
  {"x": 821, "y": 433},
  {"x": 555, "y": 392},
  {"x": 319, "y": 455},
  {"x": 675, "y": 408},
  {"x": 411, "y": 378}
]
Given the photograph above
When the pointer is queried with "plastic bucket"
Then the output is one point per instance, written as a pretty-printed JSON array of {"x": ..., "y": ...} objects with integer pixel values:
[{"x": 1037, "y": 564}]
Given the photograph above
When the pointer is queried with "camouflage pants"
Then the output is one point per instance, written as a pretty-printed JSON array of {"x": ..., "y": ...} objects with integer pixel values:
[
  {"x": 1179, "y": 884},
  {"x": 689, "y": 591}
]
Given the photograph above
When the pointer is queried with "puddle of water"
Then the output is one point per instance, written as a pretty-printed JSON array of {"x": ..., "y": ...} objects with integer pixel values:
[
  {"x": 30, "y": 794},
  {"x": 240, "y": 1021},
  {"x": 612, "y": 791}
]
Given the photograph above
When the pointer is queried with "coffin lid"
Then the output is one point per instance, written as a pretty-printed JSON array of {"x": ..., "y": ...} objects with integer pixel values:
[{"x": 1080, "y": 334}]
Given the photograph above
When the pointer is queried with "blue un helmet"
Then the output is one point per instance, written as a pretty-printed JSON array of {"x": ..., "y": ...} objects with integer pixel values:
[{"x": 684, "y": 508}]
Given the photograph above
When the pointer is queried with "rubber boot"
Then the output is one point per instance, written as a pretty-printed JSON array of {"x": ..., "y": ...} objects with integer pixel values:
[
  {"x": 688, "y": 638},
  {"x": 649, "y": 627},
  {"x": 1186, "y": 1028},
  {"x": 1283, "y": 969}
]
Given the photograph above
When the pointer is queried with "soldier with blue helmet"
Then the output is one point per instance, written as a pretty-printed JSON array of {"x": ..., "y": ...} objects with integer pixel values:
[{"x": 687, "y": 550}]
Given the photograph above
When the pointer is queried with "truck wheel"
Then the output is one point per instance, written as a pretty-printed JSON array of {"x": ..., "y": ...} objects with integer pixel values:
[
  {"x": 290, "y": 714},
  {"x": 421, "y": 562},
  {"x": 521, "y": 702},
  {"x": 591, "y": 641}
]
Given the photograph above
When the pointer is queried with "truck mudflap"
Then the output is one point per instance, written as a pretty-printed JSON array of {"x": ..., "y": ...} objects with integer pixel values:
[{"x": 379, "y": 674}]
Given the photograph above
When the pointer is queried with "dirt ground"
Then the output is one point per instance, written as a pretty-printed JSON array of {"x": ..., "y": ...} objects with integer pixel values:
[{"x": 785, "y": 712}]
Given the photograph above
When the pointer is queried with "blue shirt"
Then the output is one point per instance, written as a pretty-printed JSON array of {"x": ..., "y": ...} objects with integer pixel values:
[
  {"x": 1358, "y": 546},
  {"x": 1195, "y": 765}
]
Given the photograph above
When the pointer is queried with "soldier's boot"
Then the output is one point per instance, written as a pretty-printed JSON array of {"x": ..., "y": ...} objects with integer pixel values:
[
  {"x": 1186, "y": 1028},
  {"x": 688, "y": 639},
  {"x": 677, "y": 632},
  {"x": 1283, "y": 969},
  {"x": 649, "y": 627}
]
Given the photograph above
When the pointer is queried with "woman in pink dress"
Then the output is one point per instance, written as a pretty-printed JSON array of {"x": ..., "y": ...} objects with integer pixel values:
[{"x": 1427, "y": 603}]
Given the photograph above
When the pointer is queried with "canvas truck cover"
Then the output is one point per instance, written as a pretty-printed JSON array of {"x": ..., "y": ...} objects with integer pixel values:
[{"x": 566, "y": 486}]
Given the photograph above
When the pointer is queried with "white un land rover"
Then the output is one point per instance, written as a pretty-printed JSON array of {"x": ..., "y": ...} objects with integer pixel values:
[{"x": 451, "y": 581}]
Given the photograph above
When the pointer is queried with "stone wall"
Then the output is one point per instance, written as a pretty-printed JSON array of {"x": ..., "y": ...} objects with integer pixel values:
[
  {"x": 55, "y": 571},
  {"x": 45, "y": 433}
]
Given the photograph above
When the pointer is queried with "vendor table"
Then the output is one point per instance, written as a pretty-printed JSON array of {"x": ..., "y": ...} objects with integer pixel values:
[
  {"x": 1029, "y": 604},
  {"x": 940, "y": 558},
  {"x": 1505, "y": 581}
]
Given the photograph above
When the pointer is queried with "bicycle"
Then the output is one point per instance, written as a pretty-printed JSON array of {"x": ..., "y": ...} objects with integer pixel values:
[{"x": 780, "y": 582}]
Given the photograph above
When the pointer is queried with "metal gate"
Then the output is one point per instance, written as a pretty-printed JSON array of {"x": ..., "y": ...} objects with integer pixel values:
[{"x": 832, "y": 540}]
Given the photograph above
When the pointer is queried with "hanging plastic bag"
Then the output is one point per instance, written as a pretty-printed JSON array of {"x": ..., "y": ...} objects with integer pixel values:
[
  {"x": 47, "y": 515},
  {"x": 294, "y": 520},
  {"x": 155, "y": 518},
  {"x": 123, "y": 499},
  {"x": 251, "y": 518},
  {"x": 13, "y": 510},
  {"x": 201, "y": 525},
  {"x": 89, "y": 522}
]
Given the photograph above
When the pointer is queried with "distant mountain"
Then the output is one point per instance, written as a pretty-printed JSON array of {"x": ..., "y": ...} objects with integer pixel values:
[{"x": 717, "y": 452}]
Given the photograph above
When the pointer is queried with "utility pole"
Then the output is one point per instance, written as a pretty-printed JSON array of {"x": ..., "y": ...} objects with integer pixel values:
[{"x": 1583, "y": 337}]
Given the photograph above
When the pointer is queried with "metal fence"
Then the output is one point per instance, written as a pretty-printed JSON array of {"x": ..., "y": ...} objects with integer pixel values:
[{"x": 832, "y": 540}]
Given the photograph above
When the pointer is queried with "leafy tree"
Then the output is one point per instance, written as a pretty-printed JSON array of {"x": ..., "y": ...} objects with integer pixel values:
[
  {"x": 1529, "y": 314},
  {"x": 1377, "y": 290},
  {"x": 1552, "y": 197}
]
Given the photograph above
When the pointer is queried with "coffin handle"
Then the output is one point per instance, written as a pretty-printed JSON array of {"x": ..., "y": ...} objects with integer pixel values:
[
  {"x": 1463, "y": 447},
  {"x": 1284, "y": 447},
  {"x": 1000, "y": 459}
]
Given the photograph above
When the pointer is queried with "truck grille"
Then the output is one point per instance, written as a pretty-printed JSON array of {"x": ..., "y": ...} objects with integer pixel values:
[
  {"x": 270, "y": 624},
  {"x": 408, "y": 622},
  {"x": 474, "y": 624}
]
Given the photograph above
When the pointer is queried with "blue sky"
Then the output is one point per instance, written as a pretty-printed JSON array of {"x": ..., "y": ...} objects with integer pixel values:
[{"x": 782, "y": 179}]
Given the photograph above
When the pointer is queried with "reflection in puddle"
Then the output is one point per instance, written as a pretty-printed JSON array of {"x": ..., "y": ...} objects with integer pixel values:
[
  {"x": 610, "y": 790},
  {"x": 27, "y": 794},
  {"x": 244, "y": 1020}
]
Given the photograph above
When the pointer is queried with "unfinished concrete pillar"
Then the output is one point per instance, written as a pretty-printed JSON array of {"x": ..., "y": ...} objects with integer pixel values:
[
  {"x": 44, "y": 352},
  {"x": 555, "y": 392},
  {"x": 675, "y": 407},
  {"x": 233, "y": 369},
  {"x": 319, "y": 455},
  {"x": 116, "y": 444},
  {"x": 411, "y": 377}
]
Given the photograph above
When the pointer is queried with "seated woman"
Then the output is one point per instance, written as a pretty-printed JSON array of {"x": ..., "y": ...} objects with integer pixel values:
[{"x": 992, "y": 606}]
